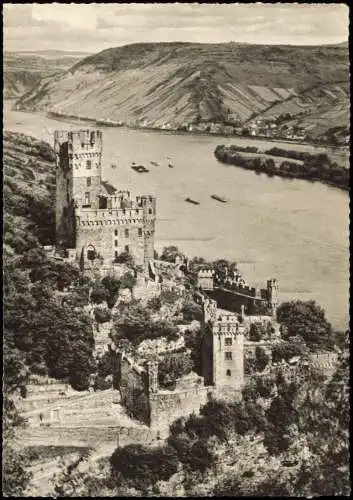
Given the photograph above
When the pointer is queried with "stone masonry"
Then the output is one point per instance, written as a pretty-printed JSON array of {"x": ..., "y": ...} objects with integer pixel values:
[{"x": 92, "y": 217}]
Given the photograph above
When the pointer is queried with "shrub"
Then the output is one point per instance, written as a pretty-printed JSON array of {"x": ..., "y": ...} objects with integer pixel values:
[
  {"x": 99, "y": 294},
  {"x": 192, "y": 311},
  {"x": 142, "y": 466},
  {"x": 125, "y": 258},
  {"x": 257, "y": 332},
  {"x": 174, "y": 366},
  {"x": 262, "y": 359}
]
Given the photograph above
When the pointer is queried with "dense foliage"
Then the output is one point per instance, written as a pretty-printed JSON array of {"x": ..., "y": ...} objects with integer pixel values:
[
  {"x": 141, "y": 466},
  {"x": 135, "y": 323},
  {"x": 306, "y": 320},
  {"x": 172, "y": 367},
  {"x": 310, "y": 166}
]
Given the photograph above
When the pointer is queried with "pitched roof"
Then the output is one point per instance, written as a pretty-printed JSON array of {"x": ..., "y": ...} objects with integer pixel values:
[{"x": 107, "y": 189}]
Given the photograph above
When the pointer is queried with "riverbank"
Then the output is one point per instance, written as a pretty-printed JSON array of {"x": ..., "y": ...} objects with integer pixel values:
[
  {"x": 296, "y": 165},
  {"x": 180, "y": 131}
]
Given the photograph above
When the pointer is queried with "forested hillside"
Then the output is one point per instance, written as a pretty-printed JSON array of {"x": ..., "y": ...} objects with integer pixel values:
[{"x": 40, "y": 334}]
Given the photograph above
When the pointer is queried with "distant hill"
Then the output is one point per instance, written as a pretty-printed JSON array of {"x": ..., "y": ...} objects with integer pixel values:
[
  {"x": 173, "y": 84},
  {"x": 24, "y": 70}
]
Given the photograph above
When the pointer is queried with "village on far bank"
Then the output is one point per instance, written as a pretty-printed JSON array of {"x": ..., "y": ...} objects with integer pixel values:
[{"x": 170, "y": 333}]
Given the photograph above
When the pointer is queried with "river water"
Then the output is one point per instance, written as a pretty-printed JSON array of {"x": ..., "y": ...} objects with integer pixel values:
[{"x": 293, "y": 230}]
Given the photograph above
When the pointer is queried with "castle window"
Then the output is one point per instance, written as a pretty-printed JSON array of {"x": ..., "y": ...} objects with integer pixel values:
[
  {"x": 116, "y": 243},
  {"x": 127, "y": 248},
  {"x": 228, "y": 355},
  {"x": 150, "y": 210},
  {"x": 126, "y": 233},
  {"x": 88, "y": 164},
  {"x": 87, "y": 199},
  {"x": 228, "y": 341},
  {"x": 228, "y": 373},
  {"x": 116, "y": 232},
  {"x": 116, "y": 254},
  {"x": 140, "y": 231},
  {"x": 88, "y": 181}
]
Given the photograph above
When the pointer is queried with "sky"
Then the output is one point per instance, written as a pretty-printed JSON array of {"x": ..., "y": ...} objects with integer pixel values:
[{"x": 94, "y": 27}]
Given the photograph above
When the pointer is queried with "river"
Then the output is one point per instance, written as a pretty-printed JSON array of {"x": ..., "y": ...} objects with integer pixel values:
[{"x": 293, "y": 230}]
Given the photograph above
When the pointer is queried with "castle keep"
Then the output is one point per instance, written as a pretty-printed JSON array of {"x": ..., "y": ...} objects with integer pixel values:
[{"x": 94, "y": 220}]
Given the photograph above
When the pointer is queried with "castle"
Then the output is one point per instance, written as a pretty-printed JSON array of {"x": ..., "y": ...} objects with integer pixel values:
[
  {"x": 96, "y": 226},
  {"x": 95, "y": 223}
]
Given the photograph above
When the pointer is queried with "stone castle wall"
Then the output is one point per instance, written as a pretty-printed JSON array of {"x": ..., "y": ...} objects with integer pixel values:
[
  {"x": 143, "y": 399},
  {"x": 233, "y": 301},
  {"x": 168, "y": 406}
]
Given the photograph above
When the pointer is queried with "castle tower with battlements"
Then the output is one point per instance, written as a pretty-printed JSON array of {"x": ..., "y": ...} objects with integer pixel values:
[
  {"x": 223, "y": 349},
  {"x": 92, "y": 217}
]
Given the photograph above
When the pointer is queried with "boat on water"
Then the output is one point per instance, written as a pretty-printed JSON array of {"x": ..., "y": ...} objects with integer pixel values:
[
  {"x": 154, "y": 163},
  {"x": 140, "y": 169},
  {"x": 218, "y": 198},
  {"x": 113, "y": 165},
  {"x": 170, "y": 165},
  {"x": 194, "y": 202}
]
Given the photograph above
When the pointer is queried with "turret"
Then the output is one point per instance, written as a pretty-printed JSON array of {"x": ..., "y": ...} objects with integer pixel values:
[{"x": 272, "y": 295}]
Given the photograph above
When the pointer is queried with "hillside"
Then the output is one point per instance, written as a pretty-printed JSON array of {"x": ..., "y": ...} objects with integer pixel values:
[
  {"x": 24, "y": 70},
  {"x": 171, "y": 85},
  {"x": 29, "y": 186}
]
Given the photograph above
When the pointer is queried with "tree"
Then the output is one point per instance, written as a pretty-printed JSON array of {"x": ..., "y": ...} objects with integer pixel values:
[
  {"x": 287, "y": 349},
  {"x": 257, "y": 332},
  {"x": 262, "y": 359},
  {"x": 174, "y": 366},
  {"x": 125, "y": 258},
  {"x": 306, "y": 319},
  {"x": 141, "y": 466},
  {"x": 170, "y": 253},
  {"x": 134, "y": 323},
  {"x": 192, "y": 311}
]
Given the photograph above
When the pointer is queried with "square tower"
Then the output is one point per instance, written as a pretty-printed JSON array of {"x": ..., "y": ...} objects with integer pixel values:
[
  {"x": 223, "y": 352},
  {"x": 78, "y": 178}
]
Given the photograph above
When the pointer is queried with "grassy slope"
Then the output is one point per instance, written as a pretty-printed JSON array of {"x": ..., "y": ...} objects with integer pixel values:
[{"x": 180, "y": 83}]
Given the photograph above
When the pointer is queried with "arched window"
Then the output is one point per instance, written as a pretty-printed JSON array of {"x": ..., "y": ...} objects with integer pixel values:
[
  {"x": 91, "y": 253},
  {"x": 88, "y": 164},
  {"x": 229, "y": 373}
]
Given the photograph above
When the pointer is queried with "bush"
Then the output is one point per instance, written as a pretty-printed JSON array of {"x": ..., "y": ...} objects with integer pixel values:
[
  {"x": 172, "y": 367},
  {"x": 192, "y": 311},
  {"x": 125, "y": 258},
  {"x": 99, "y": 294},
  {"x": 141, "y": 466},
  {"x": 262, "y": 359},
  {"x": 287, "y": 350},
  {"x": 257, "y": 332},
  {"x": 154, "y": 304}
]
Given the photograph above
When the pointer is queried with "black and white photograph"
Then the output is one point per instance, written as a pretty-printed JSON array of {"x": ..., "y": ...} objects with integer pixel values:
[{"x": 176, "y": 250}]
